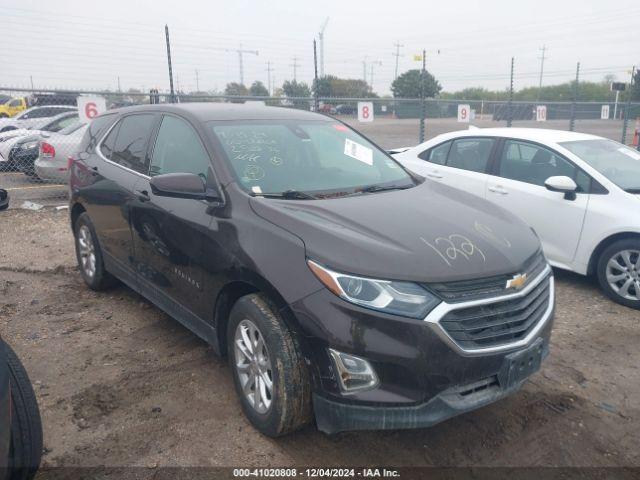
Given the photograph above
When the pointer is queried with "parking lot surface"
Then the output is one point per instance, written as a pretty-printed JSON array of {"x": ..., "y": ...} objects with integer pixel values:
[{"x": 122, "y": 384}]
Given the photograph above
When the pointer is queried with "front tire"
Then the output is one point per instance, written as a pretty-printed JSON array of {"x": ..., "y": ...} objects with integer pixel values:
[
  {"x": 619, "y": 272},
  {"x": 26, "y": 425},
  {"x": 89, "y": 255},
  {"x": 269, "y": 372}
]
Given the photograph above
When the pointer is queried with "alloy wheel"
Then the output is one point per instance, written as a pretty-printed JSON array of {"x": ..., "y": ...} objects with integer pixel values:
[
  {"x": 623, "y": 274},
  {"x": 87, "y": 252},
  {"x": 253, "y": 366}
]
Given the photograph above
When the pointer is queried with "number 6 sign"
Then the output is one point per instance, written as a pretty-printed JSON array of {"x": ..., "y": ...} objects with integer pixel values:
[
  {"x": 464, "y": 112},
  {"x": 90, "y": 107}
]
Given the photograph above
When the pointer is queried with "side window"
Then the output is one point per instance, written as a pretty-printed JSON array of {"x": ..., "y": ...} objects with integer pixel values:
[
  {"x": 108, "y": 144},
  {"x": 178, "y": 149},
  {"x": 15, "y": 103},
  {"x": 437, "y": 155},
  {"x": 470, "y": 154},
  {"x": 530, "y": 163},
  {"x": 61, "y": 123},
  {"x": 131, "y": 143}
]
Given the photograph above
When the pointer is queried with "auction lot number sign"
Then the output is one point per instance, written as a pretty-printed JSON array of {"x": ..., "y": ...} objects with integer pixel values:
[
  {"x": 365, "y": 111},
  {"x": 541, "y": 113},
  {"x": 464, "y": 113},
  {"x": 90, "y": 107}
]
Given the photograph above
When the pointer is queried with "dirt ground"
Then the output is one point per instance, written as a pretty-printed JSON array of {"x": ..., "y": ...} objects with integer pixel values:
[{"x": 119, "y": 383}]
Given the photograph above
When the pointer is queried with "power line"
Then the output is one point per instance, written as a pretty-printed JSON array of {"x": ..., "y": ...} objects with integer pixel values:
[{"x": 295, "y": 66}]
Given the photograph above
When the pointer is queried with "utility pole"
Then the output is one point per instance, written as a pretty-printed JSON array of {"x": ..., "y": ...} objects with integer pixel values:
[
  {"x": 31, "y": 78},
  {"x": 197, "y": 81},
  {"x": 510, "y": 103},
  {"x": 627, "y": 108},
  {"x": 423, "y": 104},
  {"x": 120, "y": 89},
  {"x": 377, "y": 62},
  {"x": 269, "y": 70},
  {"x": 166, "y": 33},
  {"x": 364, "y": 69},
  {"x": 295, "y": 66},
  {"x": 542, "y": 58},
  {"x": 321, "y": 38},
  {"x": 572, "y": 122},
  {"x": 316, "y": 103},
  {"x": 397, "y": 55}
]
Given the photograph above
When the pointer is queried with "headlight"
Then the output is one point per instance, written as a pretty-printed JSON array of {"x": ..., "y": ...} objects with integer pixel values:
[{"x": 398, "y": 298}]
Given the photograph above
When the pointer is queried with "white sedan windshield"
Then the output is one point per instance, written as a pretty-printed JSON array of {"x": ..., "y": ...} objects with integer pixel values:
[{"x": 617, "y": 162}]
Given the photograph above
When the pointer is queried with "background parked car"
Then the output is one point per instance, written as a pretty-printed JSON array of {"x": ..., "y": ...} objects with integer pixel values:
[
  {"x": 54, "y": 151},
  {"x": 20, "y": 423},
  {"x": 346, "y": 109},
  {"x": 34, "y": 117},
  {"x": 12, "y": 107},
  {"x": 11, "y": 138},
  {"x": 579, "y": 192}
]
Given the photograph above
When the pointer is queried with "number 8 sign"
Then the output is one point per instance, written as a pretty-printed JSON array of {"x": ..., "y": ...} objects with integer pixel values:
[
  {"x": 464, "y": 112},
  {"x": 90, "y": 107},
  {"x": 365, "y": 111}
]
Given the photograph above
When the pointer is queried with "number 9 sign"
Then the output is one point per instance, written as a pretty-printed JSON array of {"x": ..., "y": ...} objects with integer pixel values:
[
  {"x": 90, "y": 107},
  {"x": 464, "y": 112}
]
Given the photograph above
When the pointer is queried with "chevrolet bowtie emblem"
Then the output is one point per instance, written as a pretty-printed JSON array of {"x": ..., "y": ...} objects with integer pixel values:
[{"x": 518, "y": 281}]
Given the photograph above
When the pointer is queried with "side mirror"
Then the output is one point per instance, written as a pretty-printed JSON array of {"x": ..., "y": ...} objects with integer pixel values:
[
  {"x": 183, "y": 185},
  {"x": 562, "y": 184}
]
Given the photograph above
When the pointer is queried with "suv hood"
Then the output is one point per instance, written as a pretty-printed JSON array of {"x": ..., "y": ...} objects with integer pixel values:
[{"x": 429, "y": 233}]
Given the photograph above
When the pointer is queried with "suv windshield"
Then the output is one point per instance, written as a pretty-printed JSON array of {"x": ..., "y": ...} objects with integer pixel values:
[
  {"x": 618, "y": 163},
  {"x": 301, "y": 160}
]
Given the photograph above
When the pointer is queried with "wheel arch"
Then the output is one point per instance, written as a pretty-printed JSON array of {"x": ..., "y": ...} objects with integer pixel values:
[
  {"x": 76, "y": 210},
  {"x": 238, "y": 288},
  {"x": 595, "y": 255}
]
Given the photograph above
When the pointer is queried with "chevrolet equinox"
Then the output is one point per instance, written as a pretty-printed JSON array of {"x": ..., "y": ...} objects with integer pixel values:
[{"x": 340, "y": 285}]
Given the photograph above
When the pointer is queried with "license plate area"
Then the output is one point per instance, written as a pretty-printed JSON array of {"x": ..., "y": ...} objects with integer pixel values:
[{"x": 520, "y": 365}]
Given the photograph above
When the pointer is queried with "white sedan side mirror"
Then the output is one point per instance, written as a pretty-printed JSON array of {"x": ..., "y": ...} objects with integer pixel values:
[{"x": 562, "y": 184}]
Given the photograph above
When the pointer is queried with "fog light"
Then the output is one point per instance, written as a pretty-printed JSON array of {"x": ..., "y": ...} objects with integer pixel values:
[{"x": 354, "y": 373}]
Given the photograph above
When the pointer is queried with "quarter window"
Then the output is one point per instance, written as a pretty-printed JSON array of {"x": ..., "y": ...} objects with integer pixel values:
[
  {"x": 437, "y": 155},
  {"x": 470, "y": 154},
  {"x": 126, "y": 144},
  {"x": 178, "y": 149},
  {"x": 531, "y": 163}
]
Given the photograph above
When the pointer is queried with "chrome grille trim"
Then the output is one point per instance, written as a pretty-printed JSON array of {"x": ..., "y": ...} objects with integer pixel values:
[{"x": 444, "y": 308}]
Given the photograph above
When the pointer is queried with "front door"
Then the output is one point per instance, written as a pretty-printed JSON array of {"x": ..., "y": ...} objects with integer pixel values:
[
  {"x": 518, "y": 187},
  {"x": 169, "y": 233}
]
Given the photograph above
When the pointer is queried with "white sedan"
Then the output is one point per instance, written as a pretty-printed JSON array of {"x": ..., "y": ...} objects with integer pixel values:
[{"x": 579, "y": 192}]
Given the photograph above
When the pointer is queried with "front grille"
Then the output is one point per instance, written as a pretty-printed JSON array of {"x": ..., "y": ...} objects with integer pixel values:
[
  {"x": 465, "y": 290},
  {"x": 500, "y": 322}
]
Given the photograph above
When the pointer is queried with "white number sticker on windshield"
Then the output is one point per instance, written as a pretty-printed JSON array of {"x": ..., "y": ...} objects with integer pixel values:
[{"x": 357, "y": 151}]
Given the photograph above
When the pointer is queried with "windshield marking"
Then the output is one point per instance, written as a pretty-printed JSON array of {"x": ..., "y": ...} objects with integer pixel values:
[{"x": 359, "y": 152}]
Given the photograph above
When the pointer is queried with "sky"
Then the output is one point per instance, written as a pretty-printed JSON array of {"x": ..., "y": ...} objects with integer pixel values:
[{"x": 89, "y": 45}]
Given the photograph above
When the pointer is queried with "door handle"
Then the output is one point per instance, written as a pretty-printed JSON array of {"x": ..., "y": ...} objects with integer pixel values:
[
  {"x": 435, "y": 175},
  {"x": 498, "y": 189},
  {"x": 143, "y": 195}
]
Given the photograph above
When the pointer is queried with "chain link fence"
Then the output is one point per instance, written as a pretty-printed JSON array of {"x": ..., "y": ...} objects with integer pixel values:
[{"x": 45, "y": 128}]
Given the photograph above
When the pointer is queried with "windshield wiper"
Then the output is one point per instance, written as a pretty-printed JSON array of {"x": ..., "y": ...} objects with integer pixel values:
[
  {"x": 382, "y": 188},
  {"x": 289, "y": 195}
]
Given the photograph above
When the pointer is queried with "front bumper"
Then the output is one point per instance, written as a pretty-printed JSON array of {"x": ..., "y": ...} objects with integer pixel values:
[{"x": 425, "y": 376}]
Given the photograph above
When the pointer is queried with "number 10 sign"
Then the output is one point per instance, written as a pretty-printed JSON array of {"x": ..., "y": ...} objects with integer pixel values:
[{"x": 90, "y": 107}]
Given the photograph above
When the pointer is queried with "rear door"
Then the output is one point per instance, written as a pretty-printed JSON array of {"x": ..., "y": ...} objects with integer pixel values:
[
  {"x": 120, "y": 162},
  {"x": 460, "y": 163},
  {"x": 518, "y": 186}
]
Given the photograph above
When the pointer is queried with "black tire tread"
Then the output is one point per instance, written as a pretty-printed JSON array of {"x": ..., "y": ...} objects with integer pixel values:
[{"x": 26, "y": 424}]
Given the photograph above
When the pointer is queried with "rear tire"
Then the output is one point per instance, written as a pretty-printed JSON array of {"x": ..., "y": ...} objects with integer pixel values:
[
  {"x": 618, "y": 272},
  {"x": 89, "y": 255},
  {"x": 290, "y": 394},
  {"x": 26, "y": 425}
]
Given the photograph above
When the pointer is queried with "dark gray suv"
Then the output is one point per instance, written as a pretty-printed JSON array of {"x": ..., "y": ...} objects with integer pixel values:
[{"x": 340, "y": 285}]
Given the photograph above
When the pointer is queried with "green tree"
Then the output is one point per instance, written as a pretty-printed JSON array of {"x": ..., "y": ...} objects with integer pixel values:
[
  {"x": 331, "y": 86},
  {"x": 634, "y": 91},
  {"x": 257, "y": 89},
  {"x": 407, "y": 85},
  {"x": 235, "y": 88},
  {"x": 293, "y": 88}
]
